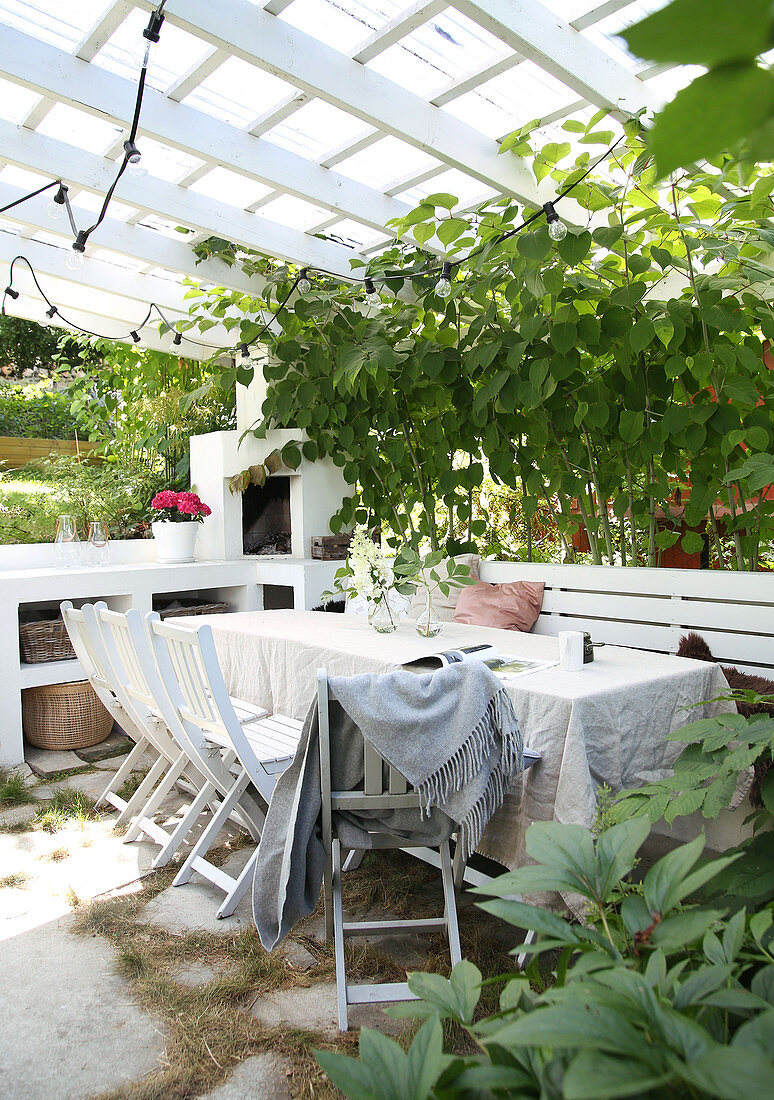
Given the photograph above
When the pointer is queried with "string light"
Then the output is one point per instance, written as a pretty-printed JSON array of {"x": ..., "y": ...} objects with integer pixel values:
[
  {"x": 134, "y": 159},
  {"x": 372, "y": 296},
  {"x": 135, "y": 336},
  {"x": 443, "y": 287},
  {"x": 178, "y": 339},
  {"x": 56, "y": 208},
  {"x": 304, "y": 286},
  {"x": 557, "y": 230}
]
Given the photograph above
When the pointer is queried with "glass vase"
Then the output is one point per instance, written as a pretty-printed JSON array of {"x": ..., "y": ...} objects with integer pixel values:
[
  {"x": 68, "y": 544},
  {"x": 428, "y": 625},
  {"x": 382, "y": 617}
]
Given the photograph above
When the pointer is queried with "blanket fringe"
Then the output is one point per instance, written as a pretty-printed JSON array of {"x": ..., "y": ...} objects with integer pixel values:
[{"x": 499, "y": 723}]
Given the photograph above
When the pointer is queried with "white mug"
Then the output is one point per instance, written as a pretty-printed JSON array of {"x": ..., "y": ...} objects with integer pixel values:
[{"x": 571, "y": 650}]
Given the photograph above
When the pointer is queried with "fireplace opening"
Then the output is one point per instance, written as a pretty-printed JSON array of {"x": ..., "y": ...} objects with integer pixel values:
[{"x": 266, "y": 517}]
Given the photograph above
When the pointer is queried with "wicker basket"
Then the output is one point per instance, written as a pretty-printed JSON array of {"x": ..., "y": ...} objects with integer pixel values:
[
  {"x": 45, "y": 641},
  {"x": 64, "y": 716},
  {"x": 195, "y": 609}
]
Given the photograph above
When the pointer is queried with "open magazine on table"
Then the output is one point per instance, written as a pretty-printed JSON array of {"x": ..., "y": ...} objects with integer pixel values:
[{"x": 505, "y": 665}]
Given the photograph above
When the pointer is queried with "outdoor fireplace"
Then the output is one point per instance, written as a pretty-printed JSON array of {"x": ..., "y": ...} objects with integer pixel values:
[{"x": 266, "y": 522}]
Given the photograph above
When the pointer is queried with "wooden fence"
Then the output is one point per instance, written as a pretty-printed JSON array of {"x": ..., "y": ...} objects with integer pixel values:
[{"x": 18, "y": 452}]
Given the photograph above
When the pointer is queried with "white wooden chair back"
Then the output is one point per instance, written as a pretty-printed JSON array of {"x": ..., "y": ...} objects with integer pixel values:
[
  {"x": 135, "y": 694},
  {"x": 90, "y": 650},
  {"x": 188, "y": 663}
]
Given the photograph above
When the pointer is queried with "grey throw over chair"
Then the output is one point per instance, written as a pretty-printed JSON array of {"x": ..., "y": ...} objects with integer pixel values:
[{"x": 376, "y": 794}]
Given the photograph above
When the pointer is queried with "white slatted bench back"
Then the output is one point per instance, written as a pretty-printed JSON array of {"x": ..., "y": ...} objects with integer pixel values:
[{"x": 652, "y": 608}]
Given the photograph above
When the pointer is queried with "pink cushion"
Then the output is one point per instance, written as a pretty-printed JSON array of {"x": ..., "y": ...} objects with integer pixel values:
[{"x": 514, "y": 605}]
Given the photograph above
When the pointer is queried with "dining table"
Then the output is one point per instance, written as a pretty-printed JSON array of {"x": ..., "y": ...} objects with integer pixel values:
[{"x": 608, "y": 723}]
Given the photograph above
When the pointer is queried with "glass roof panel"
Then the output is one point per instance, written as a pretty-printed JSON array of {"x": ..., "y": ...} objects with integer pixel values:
[
  {"x": 60, "y": 24},
  {"x": 170, "y": 58},
  {"x": 315, "y": 129},
  {"x": 75, "y": 127},
  {"x": 164, "y": 162},
  {"x": 293, "y": 212},
  {"x": 355, "y": 235},
  {"x": 87, "y": 200},
  {"x": 164, "y": 226},
  {"x": 385, "y": 162},
  {"x": 605, "y": 33},
  {"x": 446, "y": 48},
  {"x": 238, "y": 92},
  {"x": 15, "y": 102},
  {"x": 327, "y": 23},
  {"x": 469, "y": 191},
  {"x": 230, "y": 188},
  {"x": 22, "y": 177},
  {"x": 522, "y": 93}
]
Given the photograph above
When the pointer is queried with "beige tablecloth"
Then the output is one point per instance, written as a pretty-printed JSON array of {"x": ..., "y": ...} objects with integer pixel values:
[{"x": 606, "y": 723}]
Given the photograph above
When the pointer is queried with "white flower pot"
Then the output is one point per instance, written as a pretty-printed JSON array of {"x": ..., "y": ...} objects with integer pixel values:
[{"x": 175, "y": 542}]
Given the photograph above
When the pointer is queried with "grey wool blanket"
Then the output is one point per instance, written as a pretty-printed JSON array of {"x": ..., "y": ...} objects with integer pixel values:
[{"x": 453, "y": 734}]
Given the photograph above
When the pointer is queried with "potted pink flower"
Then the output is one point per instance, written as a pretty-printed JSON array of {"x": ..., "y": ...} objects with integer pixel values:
[{"x": 174, "y": 526}]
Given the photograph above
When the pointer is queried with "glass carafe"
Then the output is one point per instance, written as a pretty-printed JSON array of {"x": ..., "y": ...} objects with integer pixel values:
[
  {"x": 98, "y": 547},
  {"x": 68, "y": 544}
]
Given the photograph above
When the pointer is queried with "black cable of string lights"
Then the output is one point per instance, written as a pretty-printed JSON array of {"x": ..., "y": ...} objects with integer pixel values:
[{"x": 302, "y": 279}]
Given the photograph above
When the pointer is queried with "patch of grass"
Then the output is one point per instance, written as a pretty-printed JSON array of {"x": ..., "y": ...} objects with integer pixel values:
[
  {"x": 57, "y": 856},
  {"x": 13, "y": 790},
  {"x": 65, "y": 808},
  {"x": 15, "y": 881},
  {"x": 17, "y": 826},
  {"x": 130, "y": 785}
]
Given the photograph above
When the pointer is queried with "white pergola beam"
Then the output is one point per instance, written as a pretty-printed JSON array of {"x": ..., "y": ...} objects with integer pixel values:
[
  {"x": 135, "y": 242},
  {"x": 104, "y": 29},
  {"x": 403, "y": 24},
  {"x": 279, "y": 48},
  {"x": 558, "y": 48},
  {"x": 76, "y": 167},
  {"x": 45, "y": 69}
]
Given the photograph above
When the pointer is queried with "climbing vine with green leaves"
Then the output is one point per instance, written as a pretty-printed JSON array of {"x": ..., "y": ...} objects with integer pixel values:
[{"x": 615, "y": 378}]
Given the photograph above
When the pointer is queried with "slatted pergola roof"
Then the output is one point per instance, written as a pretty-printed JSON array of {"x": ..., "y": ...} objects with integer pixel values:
[{"x": 295, "y": 127}]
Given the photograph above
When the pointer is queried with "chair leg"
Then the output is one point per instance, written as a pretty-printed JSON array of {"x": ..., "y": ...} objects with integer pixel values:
[
  {"x": 219, "y": 819},
  {"x": 127, "y": 767},
  {"x": 458, "y": 867},
  {"x": 143, "y": 792},
  {"x": 450, "y": 904},
  {"x": 239, "y": 889},
  {"x": 158, "y": 796},
  {"x": 338, "y": 935},
  {"x": 181, "y": 831}
]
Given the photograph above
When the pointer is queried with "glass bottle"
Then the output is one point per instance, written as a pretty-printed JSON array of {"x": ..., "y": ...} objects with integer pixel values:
[{"x": 98, "y": 549}]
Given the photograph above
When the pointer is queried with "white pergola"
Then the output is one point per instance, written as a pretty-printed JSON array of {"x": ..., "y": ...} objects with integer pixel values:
[{"x": 298, "y": 128}]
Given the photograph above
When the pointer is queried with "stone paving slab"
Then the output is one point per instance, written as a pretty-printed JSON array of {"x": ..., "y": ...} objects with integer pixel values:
[
  {"x": 316, "y": 1008},
  {"x": 70, "y": 1029},
  {"x": 192, "y": 907},
  {"x": 90, "y": 783},
  {"x": 116, "y": 744},
  {"x": 262, "y": 1077},
  {"x": 46, "y": 762},
  {"x": 14, "y": 815}
]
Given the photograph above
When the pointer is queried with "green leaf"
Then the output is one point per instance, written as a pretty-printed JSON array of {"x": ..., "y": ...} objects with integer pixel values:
[
  {"x": 641, "y": 334},
  {"x": 573, "y": 1027},
  {"x": 665, "y": 330},
  {"x": 564, "y": 337},
  {"x": 712, "y": 114},
  {"x": 348, "y": 1075},
  {"x": 575, "y": 247},
  {"x": 535, "y": 245},
  {"x": 592, "y": 1075},
  {"x": 450, "y": 230},
  {"x": 703, "y": 32},
  {"x": 731, "y": 1071},
  {"x": 676, "y": 932}
]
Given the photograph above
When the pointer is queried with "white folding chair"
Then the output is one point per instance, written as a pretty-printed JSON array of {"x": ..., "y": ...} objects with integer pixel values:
[
  {"x": 260, "y": 750},
  {"x": 151, "y": 739},
  {"x": 373, "y": 796},
  {"x": 129, "y": 651}
]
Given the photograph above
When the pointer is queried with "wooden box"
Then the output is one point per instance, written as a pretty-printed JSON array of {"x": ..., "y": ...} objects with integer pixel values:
[{"x": 330, "y": 547}]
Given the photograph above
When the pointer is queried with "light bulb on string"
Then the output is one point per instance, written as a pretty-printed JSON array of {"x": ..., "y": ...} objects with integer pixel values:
[
  {"x": 56, "y": 207},
  {"x": 135, "y": 336},
  {"x": 74, "y": 259},
  {"x": 557, "y": 230},
  {"x": 51, "y": 312},
  {"x": 134, "y": 160},
  {"x": 178, "y": 339},
  {"x": 443, "y": 287},
  {"x": 303, "y": 286},
  {"x": 372, "y": 296}
]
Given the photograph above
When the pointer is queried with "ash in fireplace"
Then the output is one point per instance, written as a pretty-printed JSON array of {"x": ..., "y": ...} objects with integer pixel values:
[{"x": 277, "y": 542}]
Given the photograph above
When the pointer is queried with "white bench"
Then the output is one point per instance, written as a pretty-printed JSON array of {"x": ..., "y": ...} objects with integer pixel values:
[{"x": 652, "y": 608}]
